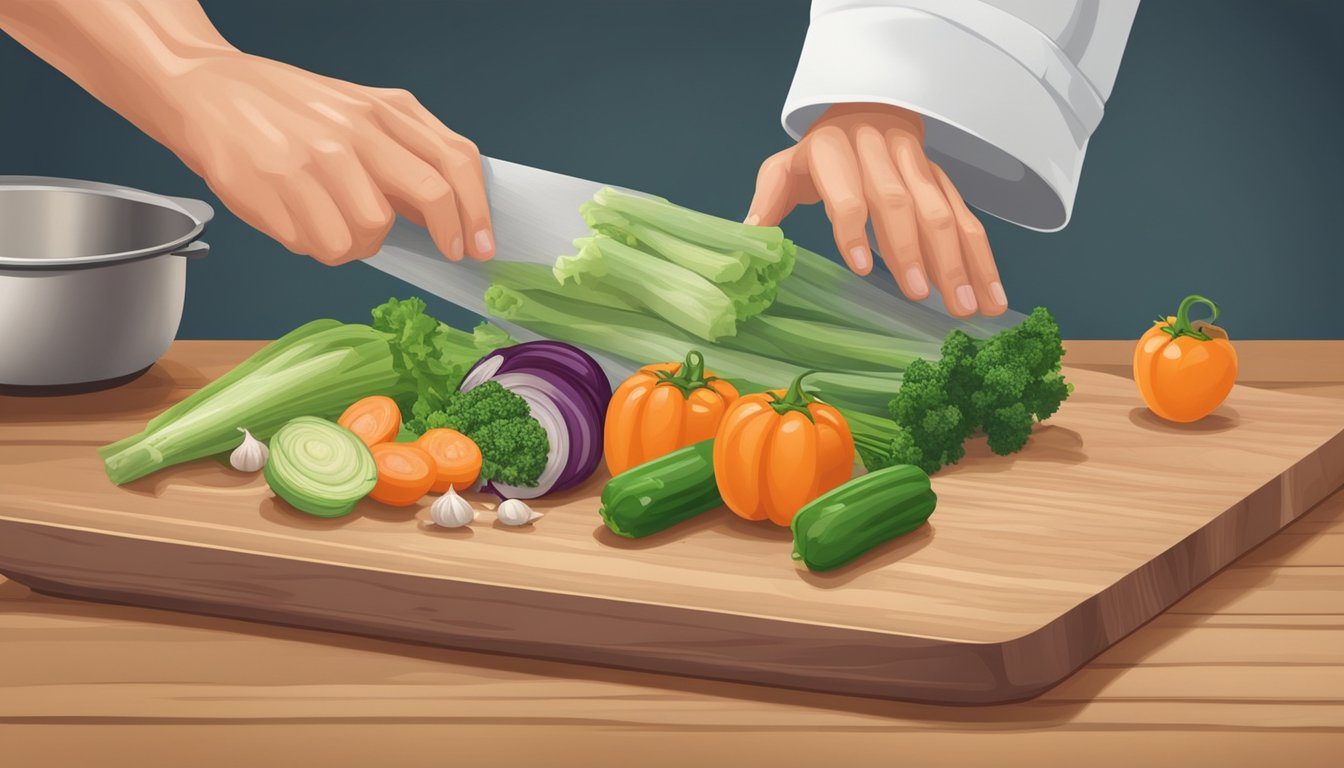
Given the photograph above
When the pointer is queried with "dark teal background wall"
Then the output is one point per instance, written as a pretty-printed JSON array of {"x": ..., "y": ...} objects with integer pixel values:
[{"x": 1216, "y": 170}]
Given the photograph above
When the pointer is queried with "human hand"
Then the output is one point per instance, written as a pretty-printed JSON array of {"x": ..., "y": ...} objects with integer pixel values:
[
  {"x": 867, "y": 160},
  {"x": 321, "y": 164}
]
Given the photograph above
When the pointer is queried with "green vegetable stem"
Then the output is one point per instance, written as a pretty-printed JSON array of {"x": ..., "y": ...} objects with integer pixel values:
[
  {"x": 680, "y": 296},
  {"x": 689, "y": 376},
  {"x": 1182, "y": 326}
]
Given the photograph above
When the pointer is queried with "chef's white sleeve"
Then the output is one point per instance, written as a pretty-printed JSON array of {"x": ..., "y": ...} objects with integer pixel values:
[{"x": 1011, "y": 90}]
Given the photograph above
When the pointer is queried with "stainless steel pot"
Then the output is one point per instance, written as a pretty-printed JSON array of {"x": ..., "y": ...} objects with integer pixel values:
[{"x": 92, "y": 278}]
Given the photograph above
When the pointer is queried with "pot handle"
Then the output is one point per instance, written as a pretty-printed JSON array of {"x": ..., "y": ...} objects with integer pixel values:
[
  {"x": 199, "y": 210},
  {"x": 196, "y": 249}
]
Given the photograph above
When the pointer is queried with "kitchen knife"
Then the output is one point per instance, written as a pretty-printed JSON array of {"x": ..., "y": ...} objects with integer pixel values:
[
  {"x": 535, "y": 215},
  {"x": 536, "y": 219}
]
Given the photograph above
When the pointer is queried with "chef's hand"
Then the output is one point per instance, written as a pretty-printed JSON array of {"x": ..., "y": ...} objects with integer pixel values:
[
  {"x": 320, "y": 164},
  {"x": 317, "y": 163},
  {"x": 867, "y": 160}
]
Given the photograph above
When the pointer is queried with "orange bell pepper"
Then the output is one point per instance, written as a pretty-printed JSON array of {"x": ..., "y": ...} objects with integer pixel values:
[
  {"x": 1185, "y": 370},
  {"x": 661, "y": 408},
  {"x": 776, "y": 451}
]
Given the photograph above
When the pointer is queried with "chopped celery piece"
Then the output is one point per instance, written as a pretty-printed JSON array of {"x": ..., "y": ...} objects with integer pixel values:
[
  {"x": 708, "y": 263},
  {"x": 749, "y": 276},
  {"x": 693, "y": 226},
  {"x": 537, "y": 277},
  {"x": 678, "y": 295}
]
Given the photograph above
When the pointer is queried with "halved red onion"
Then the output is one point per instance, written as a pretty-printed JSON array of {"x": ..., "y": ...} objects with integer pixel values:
[{"x": 568, "y": 394}]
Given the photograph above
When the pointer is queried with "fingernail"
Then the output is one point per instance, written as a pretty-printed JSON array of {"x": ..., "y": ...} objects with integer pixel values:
[
  {"x": 918, "y": 284},
  {"x": 455, "y": 249},
  {"x": 752, "y": 220},
  {"x": 966, "y": 298},
  {"x": 484, "y": 243},
  {"x": 861, "y": 259},
  {"x": 996, "y": 291}
]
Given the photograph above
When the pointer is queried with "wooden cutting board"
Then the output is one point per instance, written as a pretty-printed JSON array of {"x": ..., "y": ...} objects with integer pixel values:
[{"x": 1031, "y": 565}]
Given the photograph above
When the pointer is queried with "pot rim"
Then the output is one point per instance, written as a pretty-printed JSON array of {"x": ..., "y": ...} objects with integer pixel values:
[{"x": 198, "y": 211}]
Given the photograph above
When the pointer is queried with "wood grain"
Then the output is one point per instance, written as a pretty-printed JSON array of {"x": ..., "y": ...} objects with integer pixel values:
[
  {"x": 178, "y": 665},
  {"x": 1033, "y": 564}
]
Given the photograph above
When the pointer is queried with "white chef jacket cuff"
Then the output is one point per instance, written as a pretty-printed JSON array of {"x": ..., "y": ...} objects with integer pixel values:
[{"x": 1007, "y": 119}]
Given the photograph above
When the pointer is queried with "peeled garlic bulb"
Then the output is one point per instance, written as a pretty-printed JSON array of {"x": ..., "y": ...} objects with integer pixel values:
[
  {"x": 250, "y": 456},
  {"x": 515, "y": 512},
  {"x": 451, "y": 510}
]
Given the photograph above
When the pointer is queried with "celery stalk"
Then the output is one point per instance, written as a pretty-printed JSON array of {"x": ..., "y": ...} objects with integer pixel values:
[
  {"x": 641, "y": 339},
  {"x": 828, "y": 346},
  {"x": 694, "y": 226},
  {"x": 821, "y": 289},
  {"x": 678, "y": 295},
  {"x": 536, "y": 277},
  {"x": 710, "y": 264},
  {"x": 313, "y": 372}
]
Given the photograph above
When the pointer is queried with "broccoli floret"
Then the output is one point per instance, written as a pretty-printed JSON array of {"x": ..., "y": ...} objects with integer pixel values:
[
  {"x": 513, "y": 451},
  {"x": 1000, "y": 386},
  {"x": 1018, "y": 370},
  {"x": 485, "y": 404},
  {"x": 927, "y": 407},
  {"x": 513, "y": 445}
]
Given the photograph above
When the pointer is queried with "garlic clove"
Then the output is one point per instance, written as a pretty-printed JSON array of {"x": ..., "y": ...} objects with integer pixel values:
[
  {"x": 516, "y": 512},
  {"x": 451, "y": 510},
  {"x": 251, "y": 455}
]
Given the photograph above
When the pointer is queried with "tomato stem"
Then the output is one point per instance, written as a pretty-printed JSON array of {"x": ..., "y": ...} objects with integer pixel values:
[
  {"x": 690, "y": 376},
  {"x": 1182, "y": 325},
  {"x": 694, "y": 367},
  {"x": 795, "y": 398}
]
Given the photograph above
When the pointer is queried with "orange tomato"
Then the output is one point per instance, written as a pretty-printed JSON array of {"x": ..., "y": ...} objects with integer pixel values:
[
  {"x": 661, "y": 408},
  {"x": 778, "y": 450},
  {"x": 1185, "y": 370}
]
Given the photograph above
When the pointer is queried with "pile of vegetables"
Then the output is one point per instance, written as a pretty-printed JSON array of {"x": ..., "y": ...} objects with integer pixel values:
[
  {"x": 780, "y": 456},
  {"x": 786, "y": 456},
  {"x": 816, "y": 368},
  {"x": 518, "y": 420},
  {"x": 656, "y": 279}
]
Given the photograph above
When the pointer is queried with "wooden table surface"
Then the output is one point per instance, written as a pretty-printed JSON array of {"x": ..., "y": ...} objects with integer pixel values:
[{"x": 1247, "y": 670}]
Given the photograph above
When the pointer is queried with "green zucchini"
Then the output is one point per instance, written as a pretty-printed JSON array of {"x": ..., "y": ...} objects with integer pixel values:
[
  {"x": 661, "y": 493},
  {"x": 869, "y": 510}
]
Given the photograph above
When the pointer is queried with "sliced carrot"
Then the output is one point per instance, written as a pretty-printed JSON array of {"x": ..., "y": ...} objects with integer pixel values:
[
  {"x": 457, "y": 458},
  {"x": 405, "y": 473},
  {"x": 375, "y": 419}
]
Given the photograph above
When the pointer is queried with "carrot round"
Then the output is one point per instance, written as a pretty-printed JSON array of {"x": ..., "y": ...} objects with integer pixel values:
[
  {"x": 405, "y": 473},
  {"x": 456, "y": 457},
  {"x": 375, "y": 419}
]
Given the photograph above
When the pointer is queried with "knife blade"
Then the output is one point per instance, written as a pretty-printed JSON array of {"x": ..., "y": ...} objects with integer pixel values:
[
  {"x": 536, "y": 219},
  {"x": 535, "y": 216}
]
